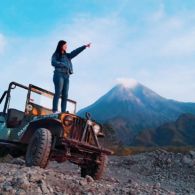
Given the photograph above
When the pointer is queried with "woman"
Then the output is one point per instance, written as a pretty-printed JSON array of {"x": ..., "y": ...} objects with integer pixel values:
[{"x": 63, "y": 68}]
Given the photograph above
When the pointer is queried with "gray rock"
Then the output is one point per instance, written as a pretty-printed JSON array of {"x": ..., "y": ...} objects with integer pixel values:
[
  {"x": 83, "y": 182},
  {"x": 188, "y": 161},
  {"x": 44, "y": 187},
  {"x": 20, "y": 192},
  {"x": 23, "y": 183},
  {"x": 2, "y": 178},
  {"x": 89, "y": 179},
  {"x": 35, "y": 177},
  {"x": 7, "y": 187},
  {"x": 172, "y": 193},
  {"x": 192, "y": 154},
  {"x": 157, "y": 186},
  {"x": 169, "y": 161},
  {"x": 134, "y": 185},
  {"x": 17, "y": 161}
]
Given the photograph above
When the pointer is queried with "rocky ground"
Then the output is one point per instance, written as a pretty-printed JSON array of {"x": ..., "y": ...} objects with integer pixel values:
[{"x": 158, "y": 172}]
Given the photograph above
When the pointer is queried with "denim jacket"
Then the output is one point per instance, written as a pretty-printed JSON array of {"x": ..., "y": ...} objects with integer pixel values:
[{"x": 63, "y": 63}]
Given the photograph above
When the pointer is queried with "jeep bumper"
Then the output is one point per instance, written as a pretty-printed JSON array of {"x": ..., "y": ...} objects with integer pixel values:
[{"x": 85, "y": 146}]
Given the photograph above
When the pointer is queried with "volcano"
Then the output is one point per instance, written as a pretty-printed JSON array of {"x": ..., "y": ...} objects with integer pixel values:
[{"x": 132, "y": 107}]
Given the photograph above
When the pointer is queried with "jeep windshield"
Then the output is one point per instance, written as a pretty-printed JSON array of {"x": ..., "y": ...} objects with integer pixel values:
[{"x": 44, "y": 98}]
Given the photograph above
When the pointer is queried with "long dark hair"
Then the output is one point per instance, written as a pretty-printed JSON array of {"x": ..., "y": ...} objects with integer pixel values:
[{"x": 58, "y": 50}]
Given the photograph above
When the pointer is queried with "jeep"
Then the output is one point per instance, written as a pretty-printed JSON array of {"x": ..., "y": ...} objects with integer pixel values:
[{"x": 32, "y": 130}]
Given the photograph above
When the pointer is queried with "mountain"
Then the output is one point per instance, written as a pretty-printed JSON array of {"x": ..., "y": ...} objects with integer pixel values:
[
  {"x": 131, "y": 107},
  {"x": 178, "y": 133}
]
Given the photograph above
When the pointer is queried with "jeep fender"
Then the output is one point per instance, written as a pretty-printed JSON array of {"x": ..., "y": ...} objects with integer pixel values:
[{"x": 54, "y": 125}]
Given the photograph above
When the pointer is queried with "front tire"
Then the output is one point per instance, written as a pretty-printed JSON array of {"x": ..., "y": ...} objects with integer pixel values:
[
  {"x": 3, "y": 151},
  {"x": 95, "y": 170},
  {"x": 39, "y": 148}
]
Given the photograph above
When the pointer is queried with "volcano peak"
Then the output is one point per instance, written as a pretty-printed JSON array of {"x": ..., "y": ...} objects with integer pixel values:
[{"x": 127, "y": 83}]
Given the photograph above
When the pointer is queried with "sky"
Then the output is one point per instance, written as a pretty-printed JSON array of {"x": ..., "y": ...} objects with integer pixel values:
[{"x": 151, "y": 41}]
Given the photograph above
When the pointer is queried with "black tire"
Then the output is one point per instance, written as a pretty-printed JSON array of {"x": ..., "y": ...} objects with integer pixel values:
[
  {"x": 3, "y": 151},
  {"x": 39, "y": 148},
  {"x": 95, "y": 170}
]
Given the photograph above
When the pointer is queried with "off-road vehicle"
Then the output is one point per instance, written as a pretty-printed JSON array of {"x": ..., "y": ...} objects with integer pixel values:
[{"x": 40, "y": 135}]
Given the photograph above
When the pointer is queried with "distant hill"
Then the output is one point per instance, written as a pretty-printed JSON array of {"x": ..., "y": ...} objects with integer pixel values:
[
  {"x": 133, "y": 107},
  {"x": 178, "y": 133}
]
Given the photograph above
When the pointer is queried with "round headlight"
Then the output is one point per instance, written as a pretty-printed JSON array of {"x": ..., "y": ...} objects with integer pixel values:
[
  {"x": 96, "y": 128},
  {"x": 68, "y": 120},
  {"x": 29, "y": 107}
]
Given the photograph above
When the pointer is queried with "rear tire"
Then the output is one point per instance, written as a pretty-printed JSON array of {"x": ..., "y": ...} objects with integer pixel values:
[
  {"x": 39, "y": 148},
  {"x": 95, "y": 170}
]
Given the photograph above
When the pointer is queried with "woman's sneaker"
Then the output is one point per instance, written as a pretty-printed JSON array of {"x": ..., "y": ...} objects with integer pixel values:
[{"x": 56, "y": 112}]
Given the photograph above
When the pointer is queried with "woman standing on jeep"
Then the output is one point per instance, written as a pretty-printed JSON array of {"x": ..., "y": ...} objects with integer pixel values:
[{"x": 63, "y": 68}]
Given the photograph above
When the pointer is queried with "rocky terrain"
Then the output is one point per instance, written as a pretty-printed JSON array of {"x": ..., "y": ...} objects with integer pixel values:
[{"x": 158, "y": 172}]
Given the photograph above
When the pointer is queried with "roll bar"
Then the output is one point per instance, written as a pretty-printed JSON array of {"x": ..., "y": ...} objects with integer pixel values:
[{"x": 34, "y": 88}]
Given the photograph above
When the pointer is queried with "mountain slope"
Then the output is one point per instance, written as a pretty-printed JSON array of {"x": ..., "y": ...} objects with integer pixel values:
[
  {"x": 134, "y": 107},
  {"x": 178, "y": 133}
]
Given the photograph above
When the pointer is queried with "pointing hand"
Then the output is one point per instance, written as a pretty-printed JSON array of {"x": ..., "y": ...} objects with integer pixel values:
[{"x": 88, "y": 45}]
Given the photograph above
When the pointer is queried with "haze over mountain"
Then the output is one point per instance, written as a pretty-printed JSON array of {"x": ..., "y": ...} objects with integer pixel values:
[{"x": 129, "y": 107}]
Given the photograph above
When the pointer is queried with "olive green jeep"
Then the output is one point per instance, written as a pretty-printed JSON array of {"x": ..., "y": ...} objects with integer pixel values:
[{"x": 40, "y": 135}]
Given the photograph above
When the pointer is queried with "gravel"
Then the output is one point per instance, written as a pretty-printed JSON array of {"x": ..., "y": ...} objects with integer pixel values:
[{"x": 159, "y": 173}]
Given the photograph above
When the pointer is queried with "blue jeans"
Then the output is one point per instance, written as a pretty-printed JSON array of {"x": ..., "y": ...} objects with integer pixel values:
[{"x": 61, "y": 83}]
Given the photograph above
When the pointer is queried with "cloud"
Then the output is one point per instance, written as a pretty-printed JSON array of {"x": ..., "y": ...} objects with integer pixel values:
[
  {"x": 157, "y": 15},
  {"x": 127, "y": 82},
  {"x": 30, "y": 63},
  {"x": 151, "y": 53},
  {"x": 181, "y": 45},
  {"x": 173, "y": 83}
]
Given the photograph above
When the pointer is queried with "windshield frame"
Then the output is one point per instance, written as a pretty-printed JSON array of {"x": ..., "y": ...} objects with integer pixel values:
[{"x": 46, "y": 93}]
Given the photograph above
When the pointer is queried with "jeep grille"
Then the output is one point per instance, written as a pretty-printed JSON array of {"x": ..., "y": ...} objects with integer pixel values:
[{"x": 76, "y": 129}]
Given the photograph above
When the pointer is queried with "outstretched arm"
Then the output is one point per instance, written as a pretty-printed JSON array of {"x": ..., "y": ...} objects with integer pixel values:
[{"x": 75, "y": 52}]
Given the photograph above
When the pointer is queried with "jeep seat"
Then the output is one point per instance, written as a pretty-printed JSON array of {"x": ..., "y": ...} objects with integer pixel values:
[
  {"x": 14, "y": 118},
  {"x": 39, "y": 110}
]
